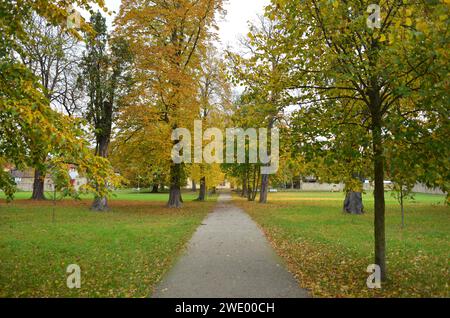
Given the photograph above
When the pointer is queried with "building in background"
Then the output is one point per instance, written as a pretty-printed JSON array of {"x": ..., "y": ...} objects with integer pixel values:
[
  {"x": 224, "y": 185},
  {"x": 24, "y": 179}
]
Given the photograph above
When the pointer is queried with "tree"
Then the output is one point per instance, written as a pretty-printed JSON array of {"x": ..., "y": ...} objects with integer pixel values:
[
  {"x": 417, "y": 158},
  {"x": 214, "y": 98},
  {"x": 169, "y": 39},
  {"x": 244, "y": 114},
  {"x": 334, "y": 152},
  {"x": 209, "y": 175},
  {"x": 292, "y": 163},
  {"x": 51, "y": 54},
  {"x": 137, "y": 151},
  {"x": 361, "y": 74},
  {"x": 262, "y": 70},
  {"x": 27, "y": 123},
  {"x": 105, "y": 75}
]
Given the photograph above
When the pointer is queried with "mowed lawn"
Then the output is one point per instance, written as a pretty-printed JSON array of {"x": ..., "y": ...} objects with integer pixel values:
[
  {"x": 121, "y": 195},
  {"x": 121, "y": 253},
  {"x": 329, "y": 251}
]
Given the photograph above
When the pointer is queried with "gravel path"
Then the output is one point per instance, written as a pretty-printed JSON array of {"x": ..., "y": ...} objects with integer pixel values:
[{"x": 229, "y": 257}]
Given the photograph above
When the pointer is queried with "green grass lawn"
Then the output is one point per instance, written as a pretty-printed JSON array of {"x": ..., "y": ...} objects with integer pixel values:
[
  {"x": 122, "y": 253},
  {"x": 329, "y": 251},
  {"x": 118, "y": 195}
]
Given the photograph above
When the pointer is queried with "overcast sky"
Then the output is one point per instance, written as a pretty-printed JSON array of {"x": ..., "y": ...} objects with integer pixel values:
[
  {"x": 235, "y": 22},
  {"x": 232, "y": 27}
]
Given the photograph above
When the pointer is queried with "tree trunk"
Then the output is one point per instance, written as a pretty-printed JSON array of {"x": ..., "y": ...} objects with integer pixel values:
[
  {"x": 155, "y": 188},
  {"x": 253, "y": 189},
  {"x": 202, "y": 194},
  {"x": 380, "y": 240},
  {"x": 264, "y": 188},
  {"x": 265, "y": 177},
  {"x": 102, "y": 146},
  {"x": 353, "y": 203},
  {"x": 194, "y": 186},
  {"x": 38, "y": 185},
  {"x": 402, "y": 207},
  {"x": 175, "y": 199},
  {"x": 244, "y": 187},
  {"x": 100, "y": 204}
]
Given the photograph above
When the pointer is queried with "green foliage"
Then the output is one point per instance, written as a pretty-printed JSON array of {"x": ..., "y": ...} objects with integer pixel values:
[
  {"x": 105, "y": 77},
  {"x": 7, "y": 184},
  {"x": 341, "y": 65},
  {"x": 29, "y": 128}
]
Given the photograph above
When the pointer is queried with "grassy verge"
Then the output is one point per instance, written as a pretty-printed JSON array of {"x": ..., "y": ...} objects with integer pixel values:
[
  {"x": 329, "y": 251},
  {"x": 118, "y": 195},
  {"x": 122, "y": 253}
]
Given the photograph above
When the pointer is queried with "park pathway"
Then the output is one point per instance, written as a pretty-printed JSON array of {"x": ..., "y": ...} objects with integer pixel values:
[{"x": 229, "y": 257}]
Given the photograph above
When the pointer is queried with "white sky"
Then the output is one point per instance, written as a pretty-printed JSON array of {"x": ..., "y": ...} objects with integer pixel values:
[
  {"x": 231, "y": 28},
  {"x": 235, "y": 23}
]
